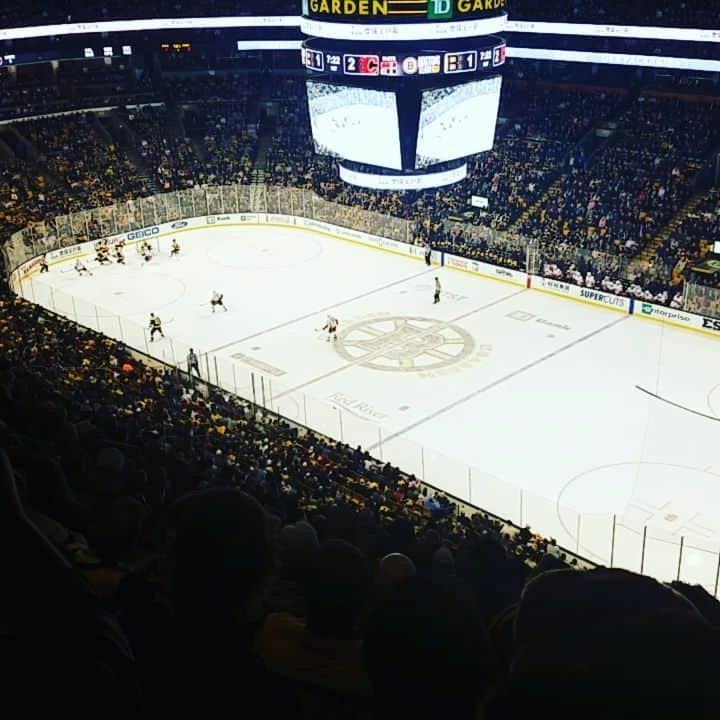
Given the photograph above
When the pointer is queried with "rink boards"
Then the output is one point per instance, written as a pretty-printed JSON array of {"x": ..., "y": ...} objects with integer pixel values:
[{"x": 644, "y": 310}]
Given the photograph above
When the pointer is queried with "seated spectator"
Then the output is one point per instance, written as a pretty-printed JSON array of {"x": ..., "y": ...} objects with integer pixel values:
[
  {"x": 427, "y": 653},
  {"x": 323, "y": 649},
  {"x": 626, "y": 644}
]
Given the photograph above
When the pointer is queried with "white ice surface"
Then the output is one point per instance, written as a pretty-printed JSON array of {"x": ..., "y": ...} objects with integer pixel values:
[{"x": 541, "y": 424}]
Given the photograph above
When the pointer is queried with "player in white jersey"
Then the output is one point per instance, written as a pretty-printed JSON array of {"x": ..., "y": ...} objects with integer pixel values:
[
  {"x": 331, "y": 325},
  {"x": 80, "y": 268},
  {"x": 217, "y": 301}
]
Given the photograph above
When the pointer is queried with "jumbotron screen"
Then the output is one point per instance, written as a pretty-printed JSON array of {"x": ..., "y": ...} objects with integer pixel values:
[
  {"x": 355, "y": 124},
  {"x": 457, "y": 121}
]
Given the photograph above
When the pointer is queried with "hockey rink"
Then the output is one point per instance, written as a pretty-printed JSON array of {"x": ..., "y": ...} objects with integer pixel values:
[{"x": 539, "y": 409}]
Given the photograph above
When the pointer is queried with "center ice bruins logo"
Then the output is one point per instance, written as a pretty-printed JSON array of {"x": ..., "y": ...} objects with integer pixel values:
[{"x": 405, "y": 344}]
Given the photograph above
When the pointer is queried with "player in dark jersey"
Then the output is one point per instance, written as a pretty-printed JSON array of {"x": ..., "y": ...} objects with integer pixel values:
[
  {"x": 217, "y": 301},
  {"x": 155, "y": 326}
]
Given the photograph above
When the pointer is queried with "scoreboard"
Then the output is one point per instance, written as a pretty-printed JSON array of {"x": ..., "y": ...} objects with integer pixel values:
[
  {"x": 402, "y": 92},
  {"x": 398, "y": 61}
]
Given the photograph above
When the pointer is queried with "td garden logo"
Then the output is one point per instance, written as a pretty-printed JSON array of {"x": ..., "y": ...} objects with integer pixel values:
[{"x": 401, "y": 10}]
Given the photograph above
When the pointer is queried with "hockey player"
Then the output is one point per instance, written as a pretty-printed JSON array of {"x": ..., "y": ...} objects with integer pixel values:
[
  {"x": 175, "y": 248},
  {"x": 44, "y": 267},
  {"x": 217, "y": 301},
  {"x": 436, "y": 297},
  {"x": 331, "y": 325},
  {"x": 80, "y": 268},
  {"x": 101, "y": 253},
  {"x": 428, "y": 253},
  {"x": 155, "y": 326},
  {"x": 119, "y": 257},
  {"x": 146, "y": 252}
]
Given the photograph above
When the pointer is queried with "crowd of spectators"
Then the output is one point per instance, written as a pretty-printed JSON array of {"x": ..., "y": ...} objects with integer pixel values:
[
  {"x": 228, "y": 144},
  {"x": 695, "y": 236},
  {"x": 620, "y": 200},
  {"x": 94, "y": 171},
  {"x": 610, "y": 273},
  {"x": 615, "y": 202},
  {"x": 27, "y": 197},
  {"x": 170, "y": 158},
  {"x": 76, "y": 85},
  {"x": 689, "y": 244},
  {"x": 241, "y": 88}
]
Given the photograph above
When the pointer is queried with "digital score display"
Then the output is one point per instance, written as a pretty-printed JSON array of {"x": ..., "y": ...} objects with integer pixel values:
[
  {"x": 176, "y": 48},
  {"x": 403, "y": 64}
]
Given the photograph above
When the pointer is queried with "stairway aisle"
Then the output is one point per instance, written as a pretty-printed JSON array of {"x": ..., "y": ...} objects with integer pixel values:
[
  {"x": 648, "y": 253},
  {"x": 265, "y": 138},
  {"x": 541, "y": 201}
]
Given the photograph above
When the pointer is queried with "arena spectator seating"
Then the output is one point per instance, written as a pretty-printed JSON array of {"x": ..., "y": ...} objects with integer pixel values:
[
  {"x": 227, "y": 145},
  {"x": 633, "y": 186},
  {"x": 35, "y": 89},
  {"x": 95, "y": 171},
  {"x": 26, "y": 197},
  {"x": 696, "y": 233},
  {"x": 168, "y": 156},
  {"x": 204, "y": 130}
]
